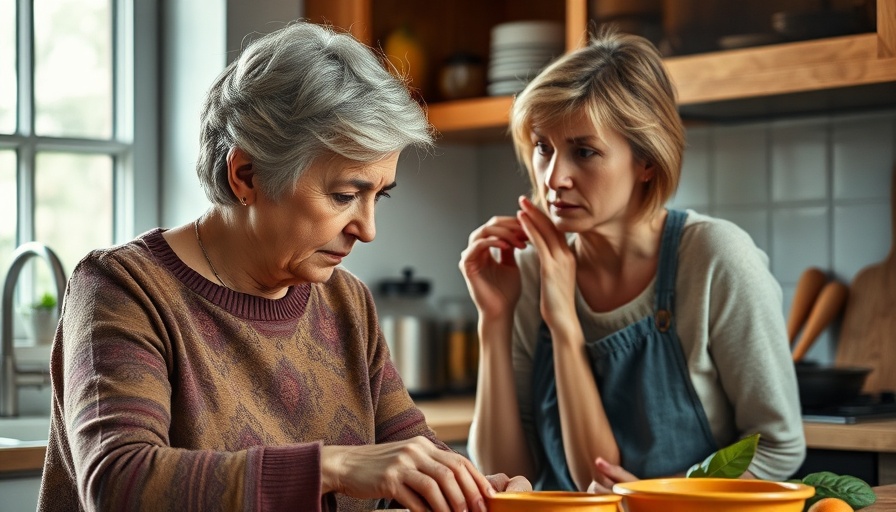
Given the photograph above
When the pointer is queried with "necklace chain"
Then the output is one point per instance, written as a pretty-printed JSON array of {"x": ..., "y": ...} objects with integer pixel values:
[{"x": 204, "y": 253}]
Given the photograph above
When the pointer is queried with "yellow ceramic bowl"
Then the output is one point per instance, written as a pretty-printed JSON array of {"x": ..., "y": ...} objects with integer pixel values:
[
  {"x": 713, "y": 495},
  {"x": 550, "y": 501}
]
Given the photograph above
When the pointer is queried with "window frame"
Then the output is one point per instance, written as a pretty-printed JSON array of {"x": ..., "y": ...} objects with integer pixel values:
[{"x": 133, "y": 146}]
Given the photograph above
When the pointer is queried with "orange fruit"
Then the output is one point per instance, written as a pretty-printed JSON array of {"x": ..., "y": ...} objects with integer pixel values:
[{"x": 830, "y": 505}]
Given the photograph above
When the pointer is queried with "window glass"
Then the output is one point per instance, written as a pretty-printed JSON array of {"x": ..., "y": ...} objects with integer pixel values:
[
  {"x": 73, "y": 204},
  {"x": 73, "y": 68},
  {"x": 8, "y": 207},
  {"x": 8, "y": 77}
]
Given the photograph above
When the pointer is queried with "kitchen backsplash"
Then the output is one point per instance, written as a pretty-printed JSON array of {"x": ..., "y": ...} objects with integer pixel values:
[{"x": 812, "y": 191}]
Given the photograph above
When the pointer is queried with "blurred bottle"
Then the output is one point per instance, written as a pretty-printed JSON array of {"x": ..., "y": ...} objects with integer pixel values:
[
  {"x": 461, "y": 344},
  {"x": 408, "y": 57}
]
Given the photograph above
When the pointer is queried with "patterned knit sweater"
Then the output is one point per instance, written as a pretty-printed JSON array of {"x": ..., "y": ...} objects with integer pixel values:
[{"x": 173, "y": 393}]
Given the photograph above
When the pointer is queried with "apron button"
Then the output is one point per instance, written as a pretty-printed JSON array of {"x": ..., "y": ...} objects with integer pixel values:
[{"x": 663, "y": 320}]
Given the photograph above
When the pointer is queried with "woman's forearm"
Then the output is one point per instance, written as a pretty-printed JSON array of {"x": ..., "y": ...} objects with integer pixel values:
[
  {"x": 586, "y": 430},
  {"x": 497, "y": 441}
]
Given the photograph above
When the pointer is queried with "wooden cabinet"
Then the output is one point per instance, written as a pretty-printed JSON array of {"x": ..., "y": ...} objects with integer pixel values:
[{"x": 847, "y": 72}]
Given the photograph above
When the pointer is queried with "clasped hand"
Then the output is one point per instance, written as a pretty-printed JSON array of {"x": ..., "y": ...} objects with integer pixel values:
[
  {"x": 415, "y": 473},
  {"x": 607, "y": 475}
]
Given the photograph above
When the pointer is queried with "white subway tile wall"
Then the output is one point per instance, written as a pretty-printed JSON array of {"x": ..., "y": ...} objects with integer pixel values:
[
  {"x": 811, "y": 192},
  {"x": 799, "y": 145},
  {"x": 800, "y": 238},
  {"x": 740, "y": 165},
  {"x": 697, "y": 180}
]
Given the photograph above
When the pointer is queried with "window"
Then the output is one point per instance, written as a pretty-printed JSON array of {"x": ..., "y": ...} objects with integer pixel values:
[{"x": 70, "y": 166}]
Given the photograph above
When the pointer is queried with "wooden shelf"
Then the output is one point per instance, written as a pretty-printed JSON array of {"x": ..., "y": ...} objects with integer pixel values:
[
  {"x": 819, "y": 75},
  {"x": 823, "y": 75},
  {"x": 473, "y": 119}
]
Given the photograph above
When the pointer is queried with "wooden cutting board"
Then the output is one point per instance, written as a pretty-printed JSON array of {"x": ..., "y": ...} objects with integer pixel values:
[{"x": 868, "y": 332}]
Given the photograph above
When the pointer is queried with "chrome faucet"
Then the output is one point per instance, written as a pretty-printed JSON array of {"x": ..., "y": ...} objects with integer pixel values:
[{"x": 11, "y": 377}]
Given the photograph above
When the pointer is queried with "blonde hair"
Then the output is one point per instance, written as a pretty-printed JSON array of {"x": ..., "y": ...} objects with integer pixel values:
[{"x": 620, "y": 82}]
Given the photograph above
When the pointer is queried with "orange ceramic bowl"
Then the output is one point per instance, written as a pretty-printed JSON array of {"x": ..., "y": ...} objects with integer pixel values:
[
  {"x": 550, "y": 501},
  {"x": 713, "y": 495}
]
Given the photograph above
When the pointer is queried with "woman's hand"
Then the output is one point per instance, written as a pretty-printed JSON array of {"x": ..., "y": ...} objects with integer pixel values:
[
  {"x": 558, "y": 264},
  {"x": 606, "y": 475},
  {"x": 494, "y": 285},
  {"x": 503, "y": 483},
  {"x": 415, "y": 473}
]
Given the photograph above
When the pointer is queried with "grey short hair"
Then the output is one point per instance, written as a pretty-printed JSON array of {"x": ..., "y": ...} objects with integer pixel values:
[{"x": 298, "y": 94}]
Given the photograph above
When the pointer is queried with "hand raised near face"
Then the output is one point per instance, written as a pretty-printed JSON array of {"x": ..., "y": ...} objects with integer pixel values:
[
  {"x": 494, "y": 284},
  {"x": 558, "y": 263}
]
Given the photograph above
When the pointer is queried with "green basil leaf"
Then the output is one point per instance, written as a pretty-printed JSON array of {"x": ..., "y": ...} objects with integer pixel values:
[
  {"x": 850, "y": 489},
  {"x": 729, "y": 462}
]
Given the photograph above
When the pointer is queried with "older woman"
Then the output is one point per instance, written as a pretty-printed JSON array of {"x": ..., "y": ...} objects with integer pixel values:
[
  {"x": 230, "y": 363},
  {"x": 620, "y": 339}
]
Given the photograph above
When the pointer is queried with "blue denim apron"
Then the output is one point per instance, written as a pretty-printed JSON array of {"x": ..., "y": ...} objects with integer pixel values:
[{"x": 656, "y": 416}]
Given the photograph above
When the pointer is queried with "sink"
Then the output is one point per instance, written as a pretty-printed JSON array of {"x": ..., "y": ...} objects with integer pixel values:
[
  {"x": 22, "y": 441},
  {"x": 33, "y": 356},
  {"x": 24, "y": 431}
]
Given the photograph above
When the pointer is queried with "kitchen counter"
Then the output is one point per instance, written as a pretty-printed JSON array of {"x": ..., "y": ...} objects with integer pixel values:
[
  {"x": 21, "y": 459},
  {"x": 450, "y": 418},
  {"x": 16, "y": 460},
  {"x": 886, "y": 499},
  {"x": 871, "y": 436}
]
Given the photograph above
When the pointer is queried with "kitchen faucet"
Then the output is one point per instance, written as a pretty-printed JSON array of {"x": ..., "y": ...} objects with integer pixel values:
[{"x": 11, "y": 377}]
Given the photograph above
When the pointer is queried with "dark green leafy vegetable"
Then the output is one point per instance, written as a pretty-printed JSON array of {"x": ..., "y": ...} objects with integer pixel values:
[
  {"x": 729, "y": 462},
  {"x": 733, "y": 460},
  {"x": 850, "y": 489}
]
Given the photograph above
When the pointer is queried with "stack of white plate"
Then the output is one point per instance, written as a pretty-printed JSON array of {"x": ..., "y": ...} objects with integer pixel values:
[{"x": 519, "y": 50}]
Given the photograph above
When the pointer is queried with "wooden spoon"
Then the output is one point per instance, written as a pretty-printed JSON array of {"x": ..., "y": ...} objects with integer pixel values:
[
  {"x": 811, "y": 281},
  {"x": 830, "y": 303}
]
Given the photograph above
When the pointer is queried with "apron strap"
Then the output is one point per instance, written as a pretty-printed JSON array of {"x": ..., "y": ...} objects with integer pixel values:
[{"x": 664, "y": 302}]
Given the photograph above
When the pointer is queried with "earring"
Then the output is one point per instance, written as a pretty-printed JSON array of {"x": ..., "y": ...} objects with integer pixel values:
[{"x": 243, "y": 201}]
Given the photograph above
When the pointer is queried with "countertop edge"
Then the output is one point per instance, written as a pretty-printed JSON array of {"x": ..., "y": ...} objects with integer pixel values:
[
  {"x": 19, "y": 459},
  {"x": 450, "y": 418}
]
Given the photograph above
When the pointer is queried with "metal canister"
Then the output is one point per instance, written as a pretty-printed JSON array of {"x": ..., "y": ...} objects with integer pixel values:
[{"x": 411, "y": 330}]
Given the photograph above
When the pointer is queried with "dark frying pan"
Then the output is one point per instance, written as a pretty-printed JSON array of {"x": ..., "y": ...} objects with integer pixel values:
[{"x": 821, "y": 386}]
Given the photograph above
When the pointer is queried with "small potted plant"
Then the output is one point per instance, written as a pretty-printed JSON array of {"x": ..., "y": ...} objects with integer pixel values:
[{"x": 43, "y": 319}]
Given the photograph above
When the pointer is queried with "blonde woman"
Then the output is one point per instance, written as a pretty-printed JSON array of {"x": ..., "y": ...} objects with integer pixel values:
[{"x": 620, "y": 339}]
